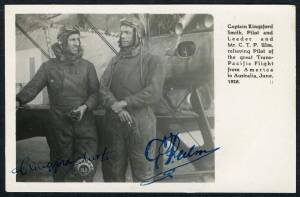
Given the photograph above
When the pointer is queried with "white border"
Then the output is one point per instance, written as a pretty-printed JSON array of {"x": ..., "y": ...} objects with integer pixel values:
[{"x": 231, "y": 165}]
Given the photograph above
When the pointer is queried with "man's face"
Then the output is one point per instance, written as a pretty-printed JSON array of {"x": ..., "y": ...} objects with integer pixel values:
[
  {"x": 74, "y": 43},
  {"x": 126, "y": 36}
]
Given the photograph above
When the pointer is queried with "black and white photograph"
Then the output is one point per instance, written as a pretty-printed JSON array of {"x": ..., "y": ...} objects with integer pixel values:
[
  {"x": 115, "y": 98},
  {"x": 150, "y": 98}
]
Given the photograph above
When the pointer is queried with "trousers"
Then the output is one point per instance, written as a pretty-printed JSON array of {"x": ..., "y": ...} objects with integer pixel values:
[
  {"x": 70, "y": 141},
  {"x": 127, "y": 145}
]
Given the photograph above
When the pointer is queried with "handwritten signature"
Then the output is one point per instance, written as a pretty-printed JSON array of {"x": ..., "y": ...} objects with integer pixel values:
[
  {"x": 170, "y": 146},
  {"x": 26, "y": 166}
]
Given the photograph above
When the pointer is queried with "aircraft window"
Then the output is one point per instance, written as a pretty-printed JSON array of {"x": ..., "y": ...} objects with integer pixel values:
[{"x": 186, "y": 49}]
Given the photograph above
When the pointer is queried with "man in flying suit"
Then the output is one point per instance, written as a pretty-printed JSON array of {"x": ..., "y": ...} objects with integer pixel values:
[
  {"x": 129, "y": 87},
  {"x": 72, "y": 86}
]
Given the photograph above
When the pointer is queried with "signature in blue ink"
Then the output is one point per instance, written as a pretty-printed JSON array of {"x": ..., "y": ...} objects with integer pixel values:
[
  {"x": 26, "y": 166},
  {"x": 170, "y": 146}
]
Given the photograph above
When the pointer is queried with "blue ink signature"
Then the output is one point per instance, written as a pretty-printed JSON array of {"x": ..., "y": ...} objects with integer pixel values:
[
  {"x": 28, "y": 166},
  {"x": 169, "y": 146}
]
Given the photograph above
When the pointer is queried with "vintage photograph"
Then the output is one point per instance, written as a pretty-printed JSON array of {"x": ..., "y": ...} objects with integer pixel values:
[
  {"x": 150, "y": 98},
  {"x": 115, "y": 98}
]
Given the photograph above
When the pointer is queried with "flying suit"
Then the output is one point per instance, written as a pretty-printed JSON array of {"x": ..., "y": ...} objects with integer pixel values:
[
  {"x": 136, "y": 77},
  {"x": 70, "y": 84}
]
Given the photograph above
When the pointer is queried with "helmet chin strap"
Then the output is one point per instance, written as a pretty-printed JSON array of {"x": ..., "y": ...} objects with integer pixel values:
[{"x": 141, "y": 60}]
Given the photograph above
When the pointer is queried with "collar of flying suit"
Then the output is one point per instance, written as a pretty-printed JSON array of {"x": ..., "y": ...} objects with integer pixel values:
[{"x": 129, "y": 52}]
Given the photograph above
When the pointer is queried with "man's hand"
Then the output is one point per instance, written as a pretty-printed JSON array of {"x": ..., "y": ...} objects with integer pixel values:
[
  {"x": 17, "y": 105},
  {"x": 81, "y": 109},
  {"x": 117, "y": 107},
  {"x": 125, "y": 116}
]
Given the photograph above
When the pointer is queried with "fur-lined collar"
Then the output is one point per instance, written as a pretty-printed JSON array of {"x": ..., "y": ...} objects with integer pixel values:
[{"x": 130, "y": 52}]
